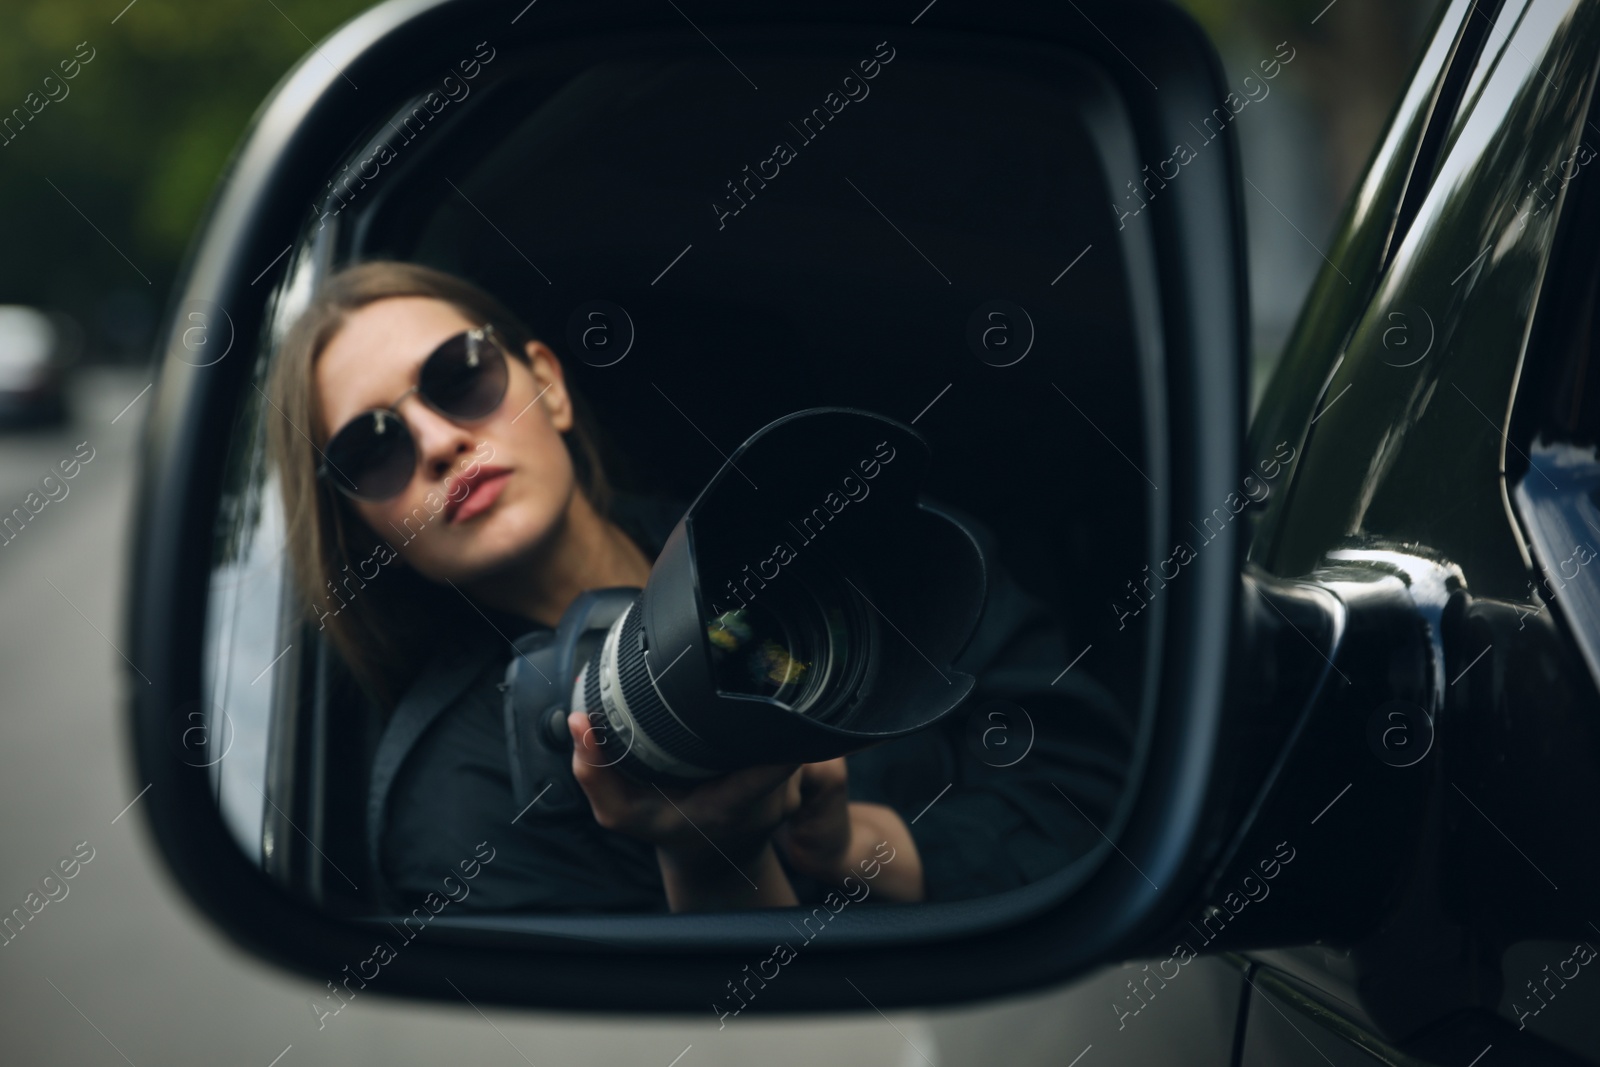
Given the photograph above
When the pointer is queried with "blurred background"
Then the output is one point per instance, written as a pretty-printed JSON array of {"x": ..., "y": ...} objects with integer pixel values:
[{"x": 99, "y": 196}]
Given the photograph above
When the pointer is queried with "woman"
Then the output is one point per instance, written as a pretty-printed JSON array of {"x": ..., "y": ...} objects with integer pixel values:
[{"x": 445, "y": 497}]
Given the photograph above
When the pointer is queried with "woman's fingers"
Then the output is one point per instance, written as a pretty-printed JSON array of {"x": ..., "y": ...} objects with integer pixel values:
[
  {"x": 597, "y": 746},
  {"x": 822, "y": 779},
  {"x": 739, "y": 789},
  {"x": 613, "y": 797},
  {"x": 587, "y": 761},
  {"x": 730, "y": 811},
  {"x": 816, "y": 835}
]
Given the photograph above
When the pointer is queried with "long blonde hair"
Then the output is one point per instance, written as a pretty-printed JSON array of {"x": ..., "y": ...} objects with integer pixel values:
[{"x": 397, "y": 620}]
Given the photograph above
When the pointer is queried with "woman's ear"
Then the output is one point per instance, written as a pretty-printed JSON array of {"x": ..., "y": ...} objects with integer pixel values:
[{"x": 550, "y": 385}]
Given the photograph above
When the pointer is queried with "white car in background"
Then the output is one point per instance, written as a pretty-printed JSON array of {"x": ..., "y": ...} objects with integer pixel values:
[{"x": 35, "y": 350}]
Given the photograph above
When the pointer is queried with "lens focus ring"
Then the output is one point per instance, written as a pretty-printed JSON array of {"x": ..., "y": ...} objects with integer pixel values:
[{"x": 649, "y": 711}]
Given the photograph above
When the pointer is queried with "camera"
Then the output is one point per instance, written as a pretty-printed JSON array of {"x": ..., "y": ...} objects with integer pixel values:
[{"x": 808, "y": 604}]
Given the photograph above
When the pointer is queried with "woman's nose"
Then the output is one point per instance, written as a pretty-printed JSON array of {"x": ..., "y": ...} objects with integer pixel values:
[{"x": 440, "y": 442}]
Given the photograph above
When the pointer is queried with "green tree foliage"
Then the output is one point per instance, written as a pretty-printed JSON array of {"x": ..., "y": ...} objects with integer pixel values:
[
  {"x": 136, "y": 143},
  {"x": 144, "y": 130}
]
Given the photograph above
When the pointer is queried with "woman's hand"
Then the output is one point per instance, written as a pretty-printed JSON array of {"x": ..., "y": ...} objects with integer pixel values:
[
  {"x": 816, "y": 836},
  {"x": 713, "y": 841},
  {"x": 830, "y": 837}
]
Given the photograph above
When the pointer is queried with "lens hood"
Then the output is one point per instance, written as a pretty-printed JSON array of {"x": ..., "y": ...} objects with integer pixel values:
[{"x": 843, "y": 599}]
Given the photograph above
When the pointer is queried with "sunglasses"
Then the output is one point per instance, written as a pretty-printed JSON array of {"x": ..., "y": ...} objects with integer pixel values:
[{"x": 373, "y": 456}]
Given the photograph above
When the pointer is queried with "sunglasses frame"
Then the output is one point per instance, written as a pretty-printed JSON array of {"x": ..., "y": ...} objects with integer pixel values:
[{"x": 327, "y": 472}]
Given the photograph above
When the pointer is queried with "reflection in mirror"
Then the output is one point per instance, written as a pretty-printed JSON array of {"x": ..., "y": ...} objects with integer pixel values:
[
  {"x": 664, "y": 497},
  {"x": 228, "y": 731}
]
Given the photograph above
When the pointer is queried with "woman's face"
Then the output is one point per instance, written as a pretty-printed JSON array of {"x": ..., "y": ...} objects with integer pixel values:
[{"x": 484, "y": 493}]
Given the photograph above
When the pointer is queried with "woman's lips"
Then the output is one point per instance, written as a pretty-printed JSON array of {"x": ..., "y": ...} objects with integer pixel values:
[{"x": 484, "y": 490}]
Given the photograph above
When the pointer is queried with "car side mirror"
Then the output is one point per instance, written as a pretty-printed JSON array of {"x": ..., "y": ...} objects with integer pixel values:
[{"x": 988, "y": 260}]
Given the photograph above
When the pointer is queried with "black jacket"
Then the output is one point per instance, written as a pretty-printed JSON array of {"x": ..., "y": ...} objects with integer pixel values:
[{"x": 1008, "y": 789}]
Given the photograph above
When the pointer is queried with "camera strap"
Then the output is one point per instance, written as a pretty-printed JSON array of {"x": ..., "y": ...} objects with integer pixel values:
[{"x": 434, "y": 691}]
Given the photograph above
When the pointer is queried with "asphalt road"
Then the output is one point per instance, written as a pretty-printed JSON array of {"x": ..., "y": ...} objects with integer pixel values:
[{"x": 122, "y": 970}]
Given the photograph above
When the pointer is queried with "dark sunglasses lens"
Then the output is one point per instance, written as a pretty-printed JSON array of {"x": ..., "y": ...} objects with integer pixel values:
[
  {"x": 465, "y": 377},
  {"x": 372, "y": 457}
]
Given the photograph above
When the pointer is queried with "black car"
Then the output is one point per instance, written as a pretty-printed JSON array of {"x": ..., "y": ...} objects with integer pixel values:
[{"x": 1357, "y": 645}]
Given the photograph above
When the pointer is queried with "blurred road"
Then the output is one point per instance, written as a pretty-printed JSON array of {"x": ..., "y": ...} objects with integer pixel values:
[{"x": 121, "y": 969}]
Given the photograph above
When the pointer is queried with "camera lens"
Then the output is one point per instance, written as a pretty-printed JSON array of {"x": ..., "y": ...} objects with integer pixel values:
[
  {"x": 764, "y": 632},
  {"x": 755, "y": 653},
  {"x": 802, "y": 647}
]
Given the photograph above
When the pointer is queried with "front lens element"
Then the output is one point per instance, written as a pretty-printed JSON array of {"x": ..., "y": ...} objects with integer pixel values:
[
  {"x": 756, "y": 652},
  {"x": 804, "y": 646}
]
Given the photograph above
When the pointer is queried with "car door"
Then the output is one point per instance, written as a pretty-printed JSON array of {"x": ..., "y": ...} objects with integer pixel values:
[{"x": 1411, "y": 449}]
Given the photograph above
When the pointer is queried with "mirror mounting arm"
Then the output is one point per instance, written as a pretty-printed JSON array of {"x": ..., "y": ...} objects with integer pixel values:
[
  {"x": 1328, "y": 759},
  {"x": 1357, "y": 699}
]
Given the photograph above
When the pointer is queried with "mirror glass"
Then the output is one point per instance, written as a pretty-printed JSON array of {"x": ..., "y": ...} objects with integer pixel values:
[{"x": 682, "y": 247}]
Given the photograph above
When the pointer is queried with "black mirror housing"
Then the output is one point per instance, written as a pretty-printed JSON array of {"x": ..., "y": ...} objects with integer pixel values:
[{"x": 1113, "y": 904}]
